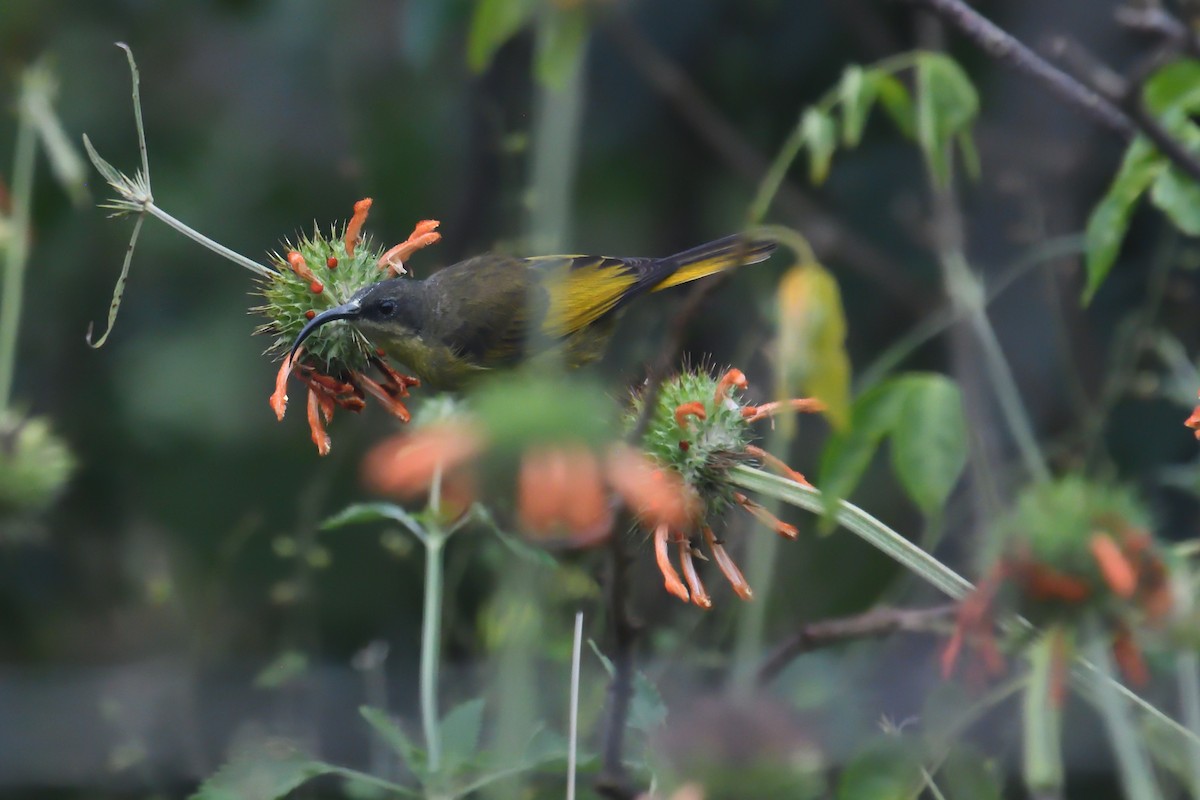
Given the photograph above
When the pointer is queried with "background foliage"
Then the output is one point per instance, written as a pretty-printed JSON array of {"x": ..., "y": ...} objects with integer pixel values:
[{"x": 182, "y": 598}]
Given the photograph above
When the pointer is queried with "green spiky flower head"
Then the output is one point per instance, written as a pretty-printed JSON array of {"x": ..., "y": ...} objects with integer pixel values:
[
  {"x": 699, "y": 429},
  {"x": 316, "y": 273}
]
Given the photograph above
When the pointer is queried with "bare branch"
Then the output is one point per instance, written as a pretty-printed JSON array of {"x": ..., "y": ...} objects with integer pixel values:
[{"x": 869, "y": 625}]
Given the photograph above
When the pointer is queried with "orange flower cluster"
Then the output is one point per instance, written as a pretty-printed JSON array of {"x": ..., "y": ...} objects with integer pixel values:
[
  {"x": 348, "y": 391},
  {"x": 561, "y": 488},
  {"x": 1130, "y": 571}
]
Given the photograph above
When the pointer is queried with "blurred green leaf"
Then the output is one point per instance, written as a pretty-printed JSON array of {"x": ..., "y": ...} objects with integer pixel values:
[
  {"x": 820, "y": 137},
  {"x": 856, "y": 94},
  {"x": 812, "y": 340},
  {"x": 395, "y": 737},
  {"x": 360, "y": 513},
  {"x": 848, "y": 453},
  {"x": 285, "y": 668},
  {"x": 493, "y": 23},
  {"x": 886, "y": 769},
  {"x": 897, "y": 101},
  {"x": 460, "y": 731},
  {"x": 967, "y": 775},
  {"x": 647, "y": 710},
  {"x": 561, "y": 35},
  {"x": 265, "y": 773},
  {"x": 1109, "y": 220},
  {"x": 1178, "y": 196},
  {"x": 1177, "y": 85},
  {"x": 929, "y": 439},
  {"x": 946, "y": 106}
]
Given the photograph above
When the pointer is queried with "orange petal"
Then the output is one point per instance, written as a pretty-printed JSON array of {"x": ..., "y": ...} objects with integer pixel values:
[
  {"x": 1129, "y": 658},
  {"x": 315, "y": 425},
  {"x": 423, "y": 235},
  {"x": 405, "y": 465},
  {"x": 1193, "y": 421},
  {"x": 1114, "y": 566},
  {"x": 778, "y": 464},
  {"x": 537, "y": 501},
  {"x": 354, "y": 227},
  {"x": 732, "y": 378},
  {"x": 394, "y": 406},
  {"x": 692, "y": 409},
  {"x": 807, "y": 405},
  {"x": 670, "y": 576},
  {"x": 300, "y": 267},
  {"x": 588, "y": 510},
  {"x": 655, "y": 494},
  {"x": 949, "y": 657},
  {"x": 760, "y": 513},
  {"x": 727, "y": 566},
  {"x": 279, "y": 397},
  {"x": 699, "y": 596}
]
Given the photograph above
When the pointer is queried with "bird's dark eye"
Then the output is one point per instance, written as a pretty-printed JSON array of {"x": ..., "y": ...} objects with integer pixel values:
[{"x": 387, "y": 307}]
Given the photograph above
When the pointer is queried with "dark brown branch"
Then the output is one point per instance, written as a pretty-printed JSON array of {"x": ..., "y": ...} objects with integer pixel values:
[
  {"x": 1004, "y": 47},
  {"x": 1121, "y": 109},
  {"x": 872, "y": 624}
]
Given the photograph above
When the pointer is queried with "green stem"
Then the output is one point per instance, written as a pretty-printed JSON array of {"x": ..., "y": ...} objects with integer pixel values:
[
  {"x": 1137, "y": 776},
  {"x": 1187, "y": 664},
  {"x": 431, "y": 634},
  {"x": 218, "y": 248},
  {"x": 16, "y": 255},
  {"x": 966, "y": 294},
  {"x": 431, "y": 625},
  {"x": 1043, "y": 721},
  {"x": 860, "y": 523}
]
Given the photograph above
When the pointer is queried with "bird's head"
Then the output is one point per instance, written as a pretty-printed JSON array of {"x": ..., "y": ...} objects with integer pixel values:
[{"x": 386, "y": 313}]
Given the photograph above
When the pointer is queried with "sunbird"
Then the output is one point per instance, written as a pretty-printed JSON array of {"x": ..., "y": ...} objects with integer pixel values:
[{"x": 495, "y": 311}]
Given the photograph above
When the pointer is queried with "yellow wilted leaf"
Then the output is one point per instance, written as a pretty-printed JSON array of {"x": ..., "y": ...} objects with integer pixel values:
[{"x": 812, "y": 340}]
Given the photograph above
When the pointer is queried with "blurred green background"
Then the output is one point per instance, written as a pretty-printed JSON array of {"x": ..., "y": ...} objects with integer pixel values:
[{"x": 135, "y": 616}]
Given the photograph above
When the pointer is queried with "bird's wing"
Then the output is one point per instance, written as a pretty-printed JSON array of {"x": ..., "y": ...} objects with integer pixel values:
[{"x": 582, "y": 289}]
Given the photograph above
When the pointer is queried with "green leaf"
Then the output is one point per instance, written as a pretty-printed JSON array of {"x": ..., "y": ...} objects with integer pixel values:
[
  {"x": 1175, "y": 86},
  {"x": 856, "y": 94},
  {"x": 970, "y": 155},
  {"x": 967, "y": 775},
  {"x": 929, "y": 440},
  {"x": 561, "y": 36},
  {"x": 647, "y": 710},
  {"x": 267, "y": 772},
  {"x": 947, "y": 104},
  {"x": 287, "y": 666},
  {"x": 812, "y": 340},
  {"x": 1178, "y": 196},
  {"x": 848, "y": 453},
  {"x": 820, "y": 136},
  {"x": 460, "y": 731},
  {"x": 887, "y": 769},
  {"x": 897, "y": 102},
  {"x": 494, "y": 23},
  {"x": 359, "y": 513},
  {"x": 395, "y": 737},
  {"x": 1109, "y": 220}
]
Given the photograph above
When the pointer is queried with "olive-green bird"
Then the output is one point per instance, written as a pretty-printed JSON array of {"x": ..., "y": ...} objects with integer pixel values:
[{"x": 494, "y": 311}]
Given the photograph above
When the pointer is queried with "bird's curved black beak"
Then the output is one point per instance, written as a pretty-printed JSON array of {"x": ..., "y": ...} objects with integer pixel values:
[{"x": 349, "y": 310}]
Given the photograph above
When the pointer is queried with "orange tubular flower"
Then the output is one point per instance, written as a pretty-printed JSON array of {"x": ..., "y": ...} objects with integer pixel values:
[
  {"x": 562, "y": 488},
  {"x": 406, "y": 465},
  {"x": 423, "y": 235}
]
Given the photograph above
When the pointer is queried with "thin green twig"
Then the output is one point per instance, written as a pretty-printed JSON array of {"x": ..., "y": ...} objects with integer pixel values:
[{"x": 16, "y": 253}]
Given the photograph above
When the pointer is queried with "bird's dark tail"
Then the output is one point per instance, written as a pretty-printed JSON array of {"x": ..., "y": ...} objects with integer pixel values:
[{"x": 708, "y": 259}]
